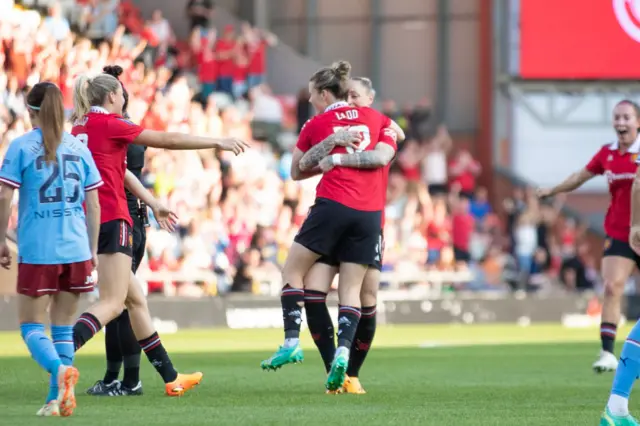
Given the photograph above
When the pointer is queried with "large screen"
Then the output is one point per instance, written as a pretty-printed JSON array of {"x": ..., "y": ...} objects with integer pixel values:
[{"x": 580, "y": 39}]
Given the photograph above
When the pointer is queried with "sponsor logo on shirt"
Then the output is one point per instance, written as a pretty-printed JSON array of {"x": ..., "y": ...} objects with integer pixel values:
[{"x": 612, "y": 177}]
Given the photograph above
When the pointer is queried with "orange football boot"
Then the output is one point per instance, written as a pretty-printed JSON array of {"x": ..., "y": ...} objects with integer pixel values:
[
  {"x": 183, "y": 383},
  {"x": 67, "y": 379},
  {"x": 352, "y": 385}
]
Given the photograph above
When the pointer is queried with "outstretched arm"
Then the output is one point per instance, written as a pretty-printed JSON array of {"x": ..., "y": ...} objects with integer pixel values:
[
  {"x": 378, "y": 157},
  {"x": 312, "y": 157},
  {"x": 574, "y": 181}
]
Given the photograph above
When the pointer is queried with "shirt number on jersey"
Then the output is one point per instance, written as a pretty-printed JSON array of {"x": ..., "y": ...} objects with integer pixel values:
[
  {"x": 67, "y": 176},
  {"x": 364, "y": 132}
]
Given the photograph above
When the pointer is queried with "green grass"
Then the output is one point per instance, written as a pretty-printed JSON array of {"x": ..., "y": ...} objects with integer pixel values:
[{"x": 462, "y": 375}]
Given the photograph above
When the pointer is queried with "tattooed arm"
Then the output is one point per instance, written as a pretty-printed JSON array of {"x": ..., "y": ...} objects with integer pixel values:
[
  {"x": 296, "y": 173},
  {"x": 312, "y": 157},
  {"x": 378, "y": 157}
]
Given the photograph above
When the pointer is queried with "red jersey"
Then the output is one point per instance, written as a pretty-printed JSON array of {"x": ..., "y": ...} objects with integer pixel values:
[
  {"x": 389, "y": 137},
  {"x": 207, "y": 66},
  {"x": 620, "y": 171},
  {"x": 258, "y": 58},
  {"x": 462, "y": 228},
  {"x": 225, "y": 66},
  {"x": 108, "y": 137},
  {"x": 359, "y": 189}
]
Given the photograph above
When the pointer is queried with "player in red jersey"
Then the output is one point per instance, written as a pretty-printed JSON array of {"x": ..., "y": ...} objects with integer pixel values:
[
  {"x": 98, "y": 121},
  {"x": 318, "y": 280},
  {"x": 345, "y": 219},
  {"x": 617, "y": 162}
]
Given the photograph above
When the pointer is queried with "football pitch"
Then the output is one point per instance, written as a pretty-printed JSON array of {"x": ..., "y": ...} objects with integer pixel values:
[{"x": 415, "y": 375}]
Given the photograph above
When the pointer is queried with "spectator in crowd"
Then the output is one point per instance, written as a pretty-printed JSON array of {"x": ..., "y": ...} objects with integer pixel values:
[
  {"x": 303, "y": 108},
  {"x": 480, "y": 206},
  {"x": 257, "y": 41},
  {"x": 267, "y": 116},
  {"x": 463, "y": 173},
  {"x": 56, "y": 24},
  {"x": 419, "y": 119},
  {"x": 574, "y": 273},
  {"x": 200, "y": 13},
  {"x": 225, "y": 49},
  {"x": 434, "y": 162},
  {"x": 463, "y": 225},
  {"x": 101, "y": 18},
  {"x": 205, "y": 58}
]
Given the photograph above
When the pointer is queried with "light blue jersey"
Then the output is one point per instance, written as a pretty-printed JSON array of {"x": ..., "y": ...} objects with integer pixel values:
[{"x": 51, "y": 221}]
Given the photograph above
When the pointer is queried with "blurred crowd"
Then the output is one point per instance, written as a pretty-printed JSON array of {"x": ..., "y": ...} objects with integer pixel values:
[{"x": 238, "y": 215}]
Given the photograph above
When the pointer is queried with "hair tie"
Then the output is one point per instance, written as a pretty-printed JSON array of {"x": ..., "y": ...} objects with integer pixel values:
[{"x": 35, "y": 108}]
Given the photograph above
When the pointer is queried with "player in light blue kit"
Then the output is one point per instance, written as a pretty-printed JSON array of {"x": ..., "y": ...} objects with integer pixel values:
[{"x": 54, "y": 174}]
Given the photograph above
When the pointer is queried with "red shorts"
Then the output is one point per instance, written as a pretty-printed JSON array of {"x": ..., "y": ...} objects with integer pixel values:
[{"x": 40, "y": 280}]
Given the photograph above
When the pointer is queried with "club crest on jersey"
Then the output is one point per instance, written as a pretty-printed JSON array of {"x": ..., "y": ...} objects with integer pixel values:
[
  {"x": 610, "y": 157},
  {"x": 607, "y": 243}
]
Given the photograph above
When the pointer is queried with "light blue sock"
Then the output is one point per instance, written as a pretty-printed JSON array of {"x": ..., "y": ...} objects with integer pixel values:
[
  {"x": 63, "y": 342},
  {"x": 629, "y": 367},
  {"x": 41, "y": 348}
]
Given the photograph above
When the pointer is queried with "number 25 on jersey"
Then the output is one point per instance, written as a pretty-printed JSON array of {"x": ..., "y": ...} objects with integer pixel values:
[{"x": 364, "y": 132}]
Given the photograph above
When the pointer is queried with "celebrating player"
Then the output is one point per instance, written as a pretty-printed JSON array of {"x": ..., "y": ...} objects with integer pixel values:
[
  {"x": 54, "y": 174},
  {"x": 98, "y": 104},
  {"x": 120, "y": 341},
  {"x": 318, "y": 280},
  {"x": 616, "y": 161},
  {"x": 345, "y": 219},
  {"x": 616, "y": 412}
]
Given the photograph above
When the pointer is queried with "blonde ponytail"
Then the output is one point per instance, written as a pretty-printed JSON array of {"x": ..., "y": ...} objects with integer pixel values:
[{"x": 81, "y": 104}]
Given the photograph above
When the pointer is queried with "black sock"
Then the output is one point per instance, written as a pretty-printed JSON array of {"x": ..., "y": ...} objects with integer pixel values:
[
  {"x": 320, "y": 325},
  {"x": 158, "y": 357},
  {"x": 608, "y": 335},
  {"x": 292, "y": 300},
  {"x": 130, "y": 351},
  {"x": 85, "y": 328},
  {"x": 364, "y": 336},
  {"x": 112, "y": 350},
  {"x": 348, "y": 318}
]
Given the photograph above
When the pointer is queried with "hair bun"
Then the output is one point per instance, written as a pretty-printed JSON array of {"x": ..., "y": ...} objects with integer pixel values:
[
  {"x": 113, "y": 70},
  {"x": 342, "y": 69}
]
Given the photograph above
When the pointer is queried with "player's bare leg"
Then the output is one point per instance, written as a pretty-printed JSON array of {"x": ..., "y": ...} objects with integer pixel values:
[
  {"x": 349, "y": 286},
  {"x": 615, "y": 272},
  {"x": 113, "y": 273},
  {"x": 175, "y": 384},
  {"x": 298, "y": 263}
]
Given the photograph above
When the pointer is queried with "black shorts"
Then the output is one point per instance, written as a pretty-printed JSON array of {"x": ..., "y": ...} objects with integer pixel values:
[
  {"x": 618, "y": 248},
  {"x": 348, "y": 235},
  {"x": 438, "y": 189},
  {"x": 139, "y": 242},
  {"x": 115, "y": 237},
  {"x": 461, "y": 255},
  {"x": 377, "y": 264}
]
